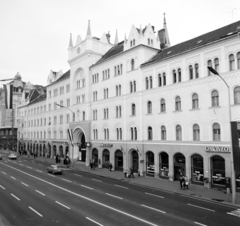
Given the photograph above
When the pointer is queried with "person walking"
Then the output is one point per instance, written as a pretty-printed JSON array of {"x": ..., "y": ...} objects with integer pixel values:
[
  {"x": 181, "y": 181},
  {"x": 110, "y": 166}
]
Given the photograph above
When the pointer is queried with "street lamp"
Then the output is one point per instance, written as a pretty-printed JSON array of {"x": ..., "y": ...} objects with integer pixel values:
[{"x": 230, "y": 119}]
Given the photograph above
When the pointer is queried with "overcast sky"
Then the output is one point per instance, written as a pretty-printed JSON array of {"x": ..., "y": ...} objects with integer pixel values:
[{"x": 34, "y": 34}]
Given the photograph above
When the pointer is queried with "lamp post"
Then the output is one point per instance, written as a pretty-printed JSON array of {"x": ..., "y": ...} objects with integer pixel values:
[{"x": 233, "y": 179}]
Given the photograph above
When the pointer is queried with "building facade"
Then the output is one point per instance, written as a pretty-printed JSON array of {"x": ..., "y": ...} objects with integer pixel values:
[{"x": 143, "y": 103}]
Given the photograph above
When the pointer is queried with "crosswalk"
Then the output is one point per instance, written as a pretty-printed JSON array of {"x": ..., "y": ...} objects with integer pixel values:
[{"x": 235, "y": 213}]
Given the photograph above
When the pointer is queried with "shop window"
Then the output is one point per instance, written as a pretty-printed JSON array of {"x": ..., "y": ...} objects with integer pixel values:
[
  {"x": 231, "y": 62},
  {"x": 194, "y": 101},
  {"x": 216, "y": 132},
  {"x": 196, "y": 132},
  {"x": 164, "y": 165},
  {"x": 197, "y": 169},
  {"x": 150, "y": 164},
  {"x": 218, "y": 170},
  {"x": 163, "y": 133},
  {"x": 215, "y": 98},
  {"x": 237, "y": 95},
  {"x": 178, "y": 132}
]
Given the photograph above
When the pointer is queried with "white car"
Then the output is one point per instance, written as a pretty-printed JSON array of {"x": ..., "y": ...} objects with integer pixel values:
[{"x": 12, "y": 156}]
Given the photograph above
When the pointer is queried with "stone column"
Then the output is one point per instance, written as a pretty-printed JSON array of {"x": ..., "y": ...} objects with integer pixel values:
[
  {"x": 156, "y": 165},
  {"x": 171, "y": 167}
]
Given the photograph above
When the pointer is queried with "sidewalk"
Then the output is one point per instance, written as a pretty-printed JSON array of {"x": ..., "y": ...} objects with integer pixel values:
[{"x": 156, "y": 183}]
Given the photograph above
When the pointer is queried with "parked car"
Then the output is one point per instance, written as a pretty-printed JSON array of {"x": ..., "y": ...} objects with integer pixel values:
[
  {"x": 0, "y": 157},
  {"x": 54, "y": 169},
  {"x": 12, "y": 156}
]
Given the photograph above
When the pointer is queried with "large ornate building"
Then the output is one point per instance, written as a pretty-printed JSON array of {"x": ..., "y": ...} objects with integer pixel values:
[{"x": 142, "y": 103}]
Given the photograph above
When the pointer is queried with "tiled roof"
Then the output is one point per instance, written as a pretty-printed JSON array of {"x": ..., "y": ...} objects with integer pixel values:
[
  {"x": 111, "y": 52},
  {"x": 38, "y": 99},
  {"x": 64, "y": 76},
  {"x": 197, "y": 42}
]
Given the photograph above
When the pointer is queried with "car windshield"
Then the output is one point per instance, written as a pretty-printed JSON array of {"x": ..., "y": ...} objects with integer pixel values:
[{"x": 55, "y": 167}]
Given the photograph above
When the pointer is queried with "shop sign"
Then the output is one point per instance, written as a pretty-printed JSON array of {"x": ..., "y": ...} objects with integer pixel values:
[
  {"x": 218, "y": 149},
  {"x": 106, "y": 145}
]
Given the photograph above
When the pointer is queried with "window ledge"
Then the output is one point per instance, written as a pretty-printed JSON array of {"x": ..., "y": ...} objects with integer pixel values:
[
  {"x": 194, "y": 109},
  {"x": 149, "y": 114},
  {"x": 177, "y": 111},
  {"x": 132, "y": 116},
  {"x": 162, "y": 112},
  {"x": 213, "y": 107}
]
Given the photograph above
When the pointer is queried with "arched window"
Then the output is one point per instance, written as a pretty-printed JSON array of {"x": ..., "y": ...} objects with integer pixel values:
[
  {"x": 132, "y": 64},
  {"x": 216, "y": 132},
  {"x": 196, "y": 132},
  {"x": 117, "y": 134},
  {"x": 196, "y": 71},
  {"x": 120, "y": 131},
  {"x": 131, "y": 133},
  {"x": 216, "y": 64},
  {"x": 174, "y": 76},
  {"x": 148, "y": 41},
  {"x": 131, "y": 43},
  {"x": 119, "y": 90},
  {"x": 120, "y": 111},
  {"x": 117, "y": 111},
  {"x": 118, "y": 68},
  {"x": 179, "y": 75},
  {"x": 135, "y": 132},
  {"x": 190, "y": 72},
  {"x": 134, "y": 42},
  {"x": 209, "y": 63},
  {"x": 115, "y": 70},
  {"x": 121, "y": 68},
  {"x": 177, "y": 103},
  {"x": 116, "y": 90},
  {"x": 178, "y": 132},
  {"x": 146, "y": 82},
  {"x": 163, "y": 133},
  {"x": 131, "y": 87},
  {"x": 83, "y": 115},
  {"x": 149, "y": 107},
  {"x": 134, "y": 86},
  {"x": 231, "y": 62},
  {"x": 194, "y": 101},
  {"x": 215, "y": 98},
  {"x": 151, "y": 42},
  {"x": 150, "y": 81},
  {"x": 164, "y": 78},
  {"x": 133, "y": 109},
  {"x": 162, "y": 105},
  {"x": 238, "y": 60},
  {"x": 150, "y": 137},
  {"x": 237, "y": 95}
]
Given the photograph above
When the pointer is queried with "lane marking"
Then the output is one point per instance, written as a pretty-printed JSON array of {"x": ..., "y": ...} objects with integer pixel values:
[
  {"x": 40, "y": 192},
  {"x": 83, "y": 197},
  {"x": 96, "y": 180},
  {"x": 62, "y": 205},
  {"x": 114, "y": 196},
  {"x": 154, "y": 195},
  {"x": 39, "y": 171},
  {"x": 120, "y": 186},
  {"x": 77, "y": 175},
  {"x": 24, "y": 184},
  {"x": 201, "y": 207},
  {"x": 35, "y": 211},
  {"x": 87, "y": 187},
  {"x": 200, "y": 224},
  {"x": 51, "y": 175},
  {"x": 21, "y": 164},
  {"x": 15, "y": 197},
  {"x": 235, "y": 213},
  {"x": 13, "y": 178},
  {"x": 2, "y": 187},
  {"x": 29, "y": 167},
  {"x": 66, "y": 180},
  {"x": 94, "y": 221},
  {"x": 153, "y": 208},
  {"x": 4, "y": 173}
]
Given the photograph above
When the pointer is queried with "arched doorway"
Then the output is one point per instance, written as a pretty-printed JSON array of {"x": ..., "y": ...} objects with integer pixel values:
[
  {"x": 163, "y": 165},
  {"x": 179, "y": 165},
  {"x": 95, "y": 156},
  {"x": 54, "y": 151},
  {"x": 135, "y": 161},
  {"x": 105, "y": 158},
  {"x": 119, "y": 160},
  {"x": 150, "y": 167},
  {"x": 197, "y": 170},
  {"x": 218, "y": 171},
  {"x": 82, "y": 149},
  {"x": 61, "y": 151}
]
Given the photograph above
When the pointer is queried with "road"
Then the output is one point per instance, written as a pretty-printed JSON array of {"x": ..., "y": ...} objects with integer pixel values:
[{"x": 31, "y": 196}]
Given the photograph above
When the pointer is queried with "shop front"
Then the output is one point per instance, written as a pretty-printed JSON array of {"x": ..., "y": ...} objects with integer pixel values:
[
  {"x": 218, "y": 173},
  {"x": 105, "y": 158},
  {"x": 163, "y": 165},
  {"x": 150, "y": 167},
  {"x": 135, "y": 161},
  {"x": 95, "y": 157},
  {"x": 119, "y": 160},
  {"x": 179, "y": 166},
  {"x": 197, "y": 171}
]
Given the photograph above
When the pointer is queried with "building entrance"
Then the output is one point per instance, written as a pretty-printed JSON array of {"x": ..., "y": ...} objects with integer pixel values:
[
  {"x": 135, "y": 161},
  {"x": 179, "y": 166}
]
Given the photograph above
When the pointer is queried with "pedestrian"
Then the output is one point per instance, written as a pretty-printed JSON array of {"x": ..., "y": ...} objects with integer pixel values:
[
  {"x": 186, "y": 182},
  {"x": 131, "y": 172},
  {"x": 91, "y": 165},
  {"x": 110, "y": 166},
  {"x": 125, "y": 173},
  {"x": 181, "y": 181}
]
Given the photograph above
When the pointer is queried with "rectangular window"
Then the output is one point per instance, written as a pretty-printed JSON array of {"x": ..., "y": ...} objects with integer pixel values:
[
  {"x": 55, "y": 120},
  {"x": 68, "y": 118},
  {"x": 67, "y": 88},
  {"x": 61, "y": 119},
  {"x": 68, "y": 102}
]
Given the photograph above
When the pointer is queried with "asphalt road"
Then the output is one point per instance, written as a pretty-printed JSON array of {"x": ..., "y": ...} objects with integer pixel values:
[{"x": 31, "y": 196}]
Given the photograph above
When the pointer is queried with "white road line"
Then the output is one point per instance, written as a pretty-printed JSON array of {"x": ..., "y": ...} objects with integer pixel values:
[
  {"x": 29, "y": 167},
  {"x": 15, "y": 197},
  {"x": 24, "y": 184},
  {"x": 2, "y": 187},
  {"x": 201, "y": 207},
  {"x": 62, "y": 205},
  {"x": 87, "y": 187},
  {"x": 40, "y": 192},
  {"x": 153, "y": 208},
  {"x": 13, "y": 178},
  {"x": 77, "y": 175},
  {"x": 114, "y": 196},
  {"x": 200, "y": 224},
  {"x": 94, "y": 221},
  {"x": 21, "y": 164},
  {"x": 4, "y": 173},
  {"x": 66, "y": 180},
  {"x": 35, "y": 211},
  {"x": 51, "y": 175},
  {"x": 39, "y": 171},
  {"x": 154, "y": 195},
  {"x": 82, "y": 197},
  {"x": 120, "y": 186},
  {"x": 96, "y": 180}
]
